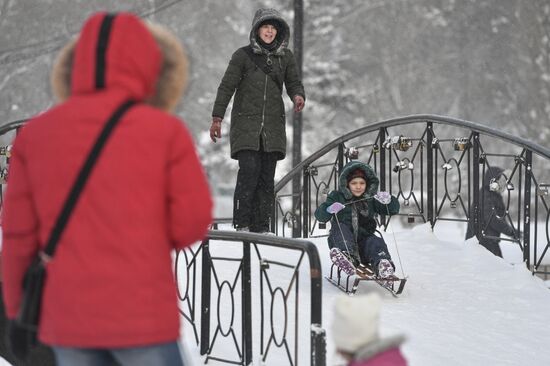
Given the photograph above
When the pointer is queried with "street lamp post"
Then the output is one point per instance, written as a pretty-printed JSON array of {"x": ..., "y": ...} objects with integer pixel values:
[{"x": 297, "y": 117}]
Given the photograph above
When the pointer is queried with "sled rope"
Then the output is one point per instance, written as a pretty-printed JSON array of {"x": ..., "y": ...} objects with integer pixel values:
[
  {"x": 396, "y": 246},
  {"x": 341, "y": 233}
]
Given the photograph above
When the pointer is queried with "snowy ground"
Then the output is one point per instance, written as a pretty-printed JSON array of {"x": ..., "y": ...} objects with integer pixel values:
[{"x": 461, "y": 305}]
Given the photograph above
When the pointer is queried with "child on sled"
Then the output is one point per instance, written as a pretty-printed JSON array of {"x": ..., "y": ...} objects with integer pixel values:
[{"x": 352, "y": 209}]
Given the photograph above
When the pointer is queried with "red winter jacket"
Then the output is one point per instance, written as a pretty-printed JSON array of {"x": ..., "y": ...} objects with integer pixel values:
[{"x": 110, "y": 283}]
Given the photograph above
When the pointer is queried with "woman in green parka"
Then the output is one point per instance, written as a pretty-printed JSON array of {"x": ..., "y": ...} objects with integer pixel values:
[
  {"x": 255, "y": 75},
  {"x": 352, "y": 209}
]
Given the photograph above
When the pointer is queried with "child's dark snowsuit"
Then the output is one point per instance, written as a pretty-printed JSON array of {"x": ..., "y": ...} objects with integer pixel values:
[
  {"x": 371, "y": 249},
  {"x": 356, "y": 223}
]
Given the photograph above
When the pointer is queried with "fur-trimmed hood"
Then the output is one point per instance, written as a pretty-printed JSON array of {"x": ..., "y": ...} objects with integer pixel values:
[
  {"x": 372, "y": 179},
  {"x": 151, "y": 66},
  {"x": 283, "y": 34}
]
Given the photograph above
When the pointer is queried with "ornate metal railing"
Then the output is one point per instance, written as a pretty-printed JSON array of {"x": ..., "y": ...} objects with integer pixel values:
[
  {"x": 435, "y": 166},
  {"x": 246, "y": 286}
]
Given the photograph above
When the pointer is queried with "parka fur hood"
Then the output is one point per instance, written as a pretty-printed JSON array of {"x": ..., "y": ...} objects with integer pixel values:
[
  {"x": 283, "y": 34},
  {"x": 372, "y": 179},
  {"x": 158, "y": 80}
]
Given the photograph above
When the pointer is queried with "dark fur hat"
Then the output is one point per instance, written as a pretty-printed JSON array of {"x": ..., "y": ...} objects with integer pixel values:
[{"x": 357, "y": 173}]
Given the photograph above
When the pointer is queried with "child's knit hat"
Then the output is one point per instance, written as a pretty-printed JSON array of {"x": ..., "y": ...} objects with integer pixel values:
[
  {"x": 357, "y": 173},
  {"x": 355, "y": 322}
]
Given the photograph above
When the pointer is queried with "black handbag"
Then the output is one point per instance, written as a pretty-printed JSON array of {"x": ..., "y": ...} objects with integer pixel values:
[{"x": 28, "y": 318}]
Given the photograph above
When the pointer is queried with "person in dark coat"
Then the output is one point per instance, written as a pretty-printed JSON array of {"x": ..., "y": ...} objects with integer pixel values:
[
  {"x": 352, "y": 209},
  {"x": 255, "y": 75},
  {"x": 493, "y": 212}
]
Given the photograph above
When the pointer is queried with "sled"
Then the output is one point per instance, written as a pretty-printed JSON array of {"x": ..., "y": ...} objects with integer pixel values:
[{"x": 350, "y": 283}]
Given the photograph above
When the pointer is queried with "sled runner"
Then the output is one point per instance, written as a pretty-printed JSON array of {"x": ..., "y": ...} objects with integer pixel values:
[{"x": 349, "y": 283}]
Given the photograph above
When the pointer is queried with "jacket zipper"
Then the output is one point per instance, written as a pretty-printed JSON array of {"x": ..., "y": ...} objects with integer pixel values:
[{"x": 263, "y": 112}]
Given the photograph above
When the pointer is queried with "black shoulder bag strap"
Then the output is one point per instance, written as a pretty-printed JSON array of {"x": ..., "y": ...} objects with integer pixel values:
[
  {"x": 258, "y": 60},
  {"x": 81, "y": 179}
]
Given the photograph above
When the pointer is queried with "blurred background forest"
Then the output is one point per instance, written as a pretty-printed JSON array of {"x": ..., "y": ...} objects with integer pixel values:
[{"x": 486, "y": 61}]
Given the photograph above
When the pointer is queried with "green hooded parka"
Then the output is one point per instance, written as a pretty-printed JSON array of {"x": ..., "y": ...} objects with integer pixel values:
[{"x": 258, "y": 113}]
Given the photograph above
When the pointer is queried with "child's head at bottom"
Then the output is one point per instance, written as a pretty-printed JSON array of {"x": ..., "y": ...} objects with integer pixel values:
[{"x": 355, "y": 323}]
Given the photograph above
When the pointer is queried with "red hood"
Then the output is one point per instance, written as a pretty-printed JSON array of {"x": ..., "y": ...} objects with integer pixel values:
[{"x": 116, "y": 52}]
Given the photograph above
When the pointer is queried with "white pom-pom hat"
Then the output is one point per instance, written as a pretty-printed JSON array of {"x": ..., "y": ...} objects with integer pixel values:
[{"x": 355, "y": 322}]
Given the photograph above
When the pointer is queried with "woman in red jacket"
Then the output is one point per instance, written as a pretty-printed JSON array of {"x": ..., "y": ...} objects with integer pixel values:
[{"x": 110, "y": 290}]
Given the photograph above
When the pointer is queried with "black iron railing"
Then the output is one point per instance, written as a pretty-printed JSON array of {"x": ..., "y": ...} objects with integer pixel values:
[
  {"x": 7, "y": 134},
  {"x": 435, "y": 166},
  {"x": 247, "y": 287}
]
